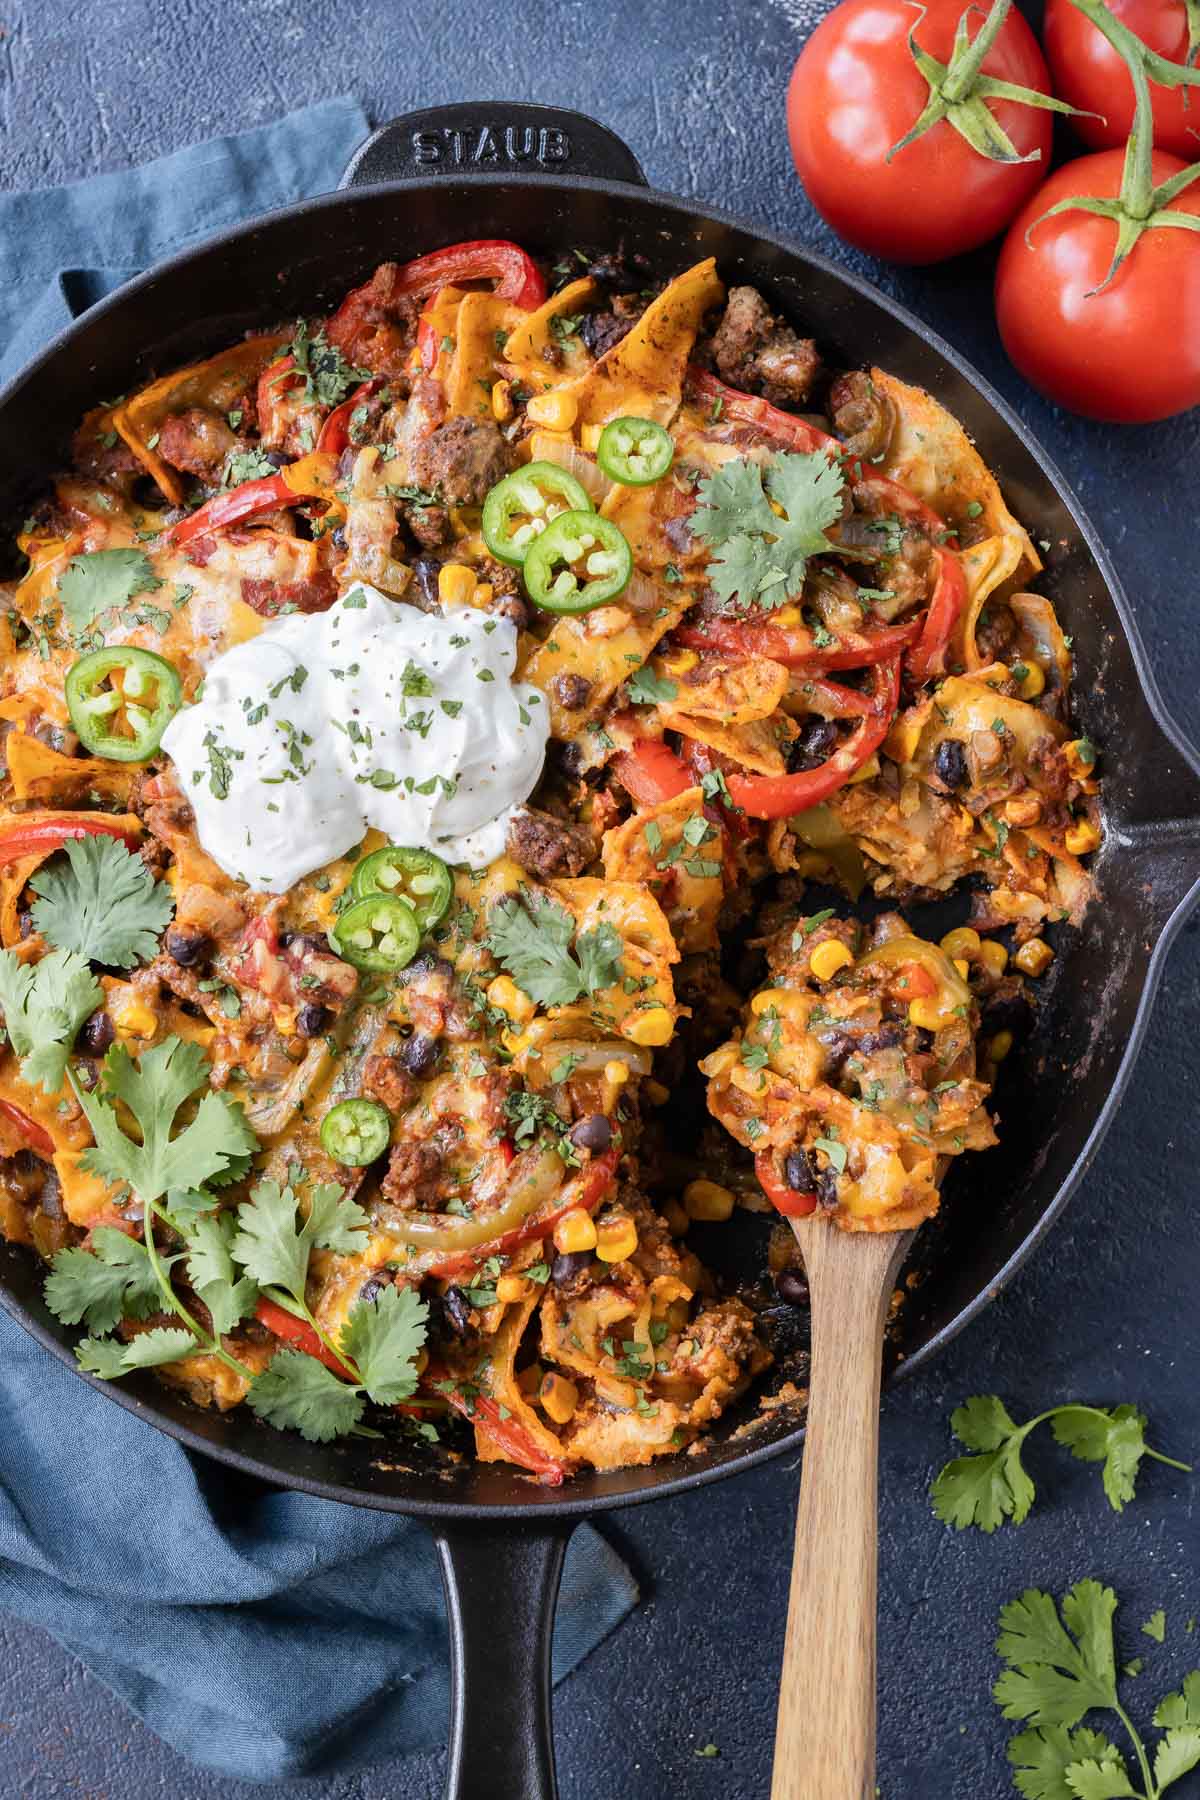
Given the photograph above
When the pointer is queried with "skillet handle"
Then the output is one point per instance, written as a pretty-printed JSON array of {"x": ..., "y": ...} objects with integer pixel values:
[
  {"x": 501, "y": 1584},
  {"x": 494, "y": 137}
]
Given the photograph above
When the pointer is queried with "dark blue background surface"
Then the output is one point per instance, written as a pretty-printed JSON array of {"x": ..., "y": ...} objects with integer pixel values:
[{"x": 1107, "y": 1312}]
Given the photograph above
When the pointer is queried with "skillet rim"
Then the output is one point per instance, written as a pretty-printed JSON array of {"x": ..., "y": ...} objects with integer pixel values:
[{"x": 545, "y": 1505}]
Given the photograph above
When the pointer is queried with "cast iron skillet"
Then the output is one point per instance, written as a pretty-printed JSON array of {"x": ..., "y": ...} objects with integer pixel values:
[{"x": 551, "y": 179}]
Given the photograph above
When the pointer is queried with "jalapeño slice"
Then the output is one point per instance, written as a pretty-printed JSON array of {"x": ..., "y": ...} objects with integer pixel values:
[
  {"x": 355, "y": 1132},
  {"x": 635, "y": 452},
  {"x": 417, "y": 877},
  {"x": 377, "y": 933},
  {"x": 578, "y": 562},
  {"x": 519, "y": 508},
  {"x": 121, "y": 700}
]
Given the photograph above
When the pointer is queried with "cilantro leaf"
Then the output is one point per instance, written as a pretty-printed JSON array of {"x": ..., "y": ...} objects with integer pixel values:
[
  {"x": 296, "y": 1391},
  {"x": 44, "y": 1005},
  {"x": 165, "y": 1344},
  {"x": 383, "y": 1338},
  {"x": 1156, "y": 1626},
  {"x": 1116, "y": 1439},
  {"x": 154, "y": 1089},
  {"x": 102, "y": 580},
  {"x": 102, "y": 902},
  {"x": 1178, "y": 1754},
  {"x": 273, "y": 1245},
  {"x": 228, "y": 1296},
  {"x": 763, "y": 555},
  {"x": 1059, "y": 1668},
  {"x": 328, "y": 377},
  {"x": 647, "y": 689},
  {"x": 533, "y": 942},
  {"x": 99, "y": 1287},
  {"x": 1048, "y": 1760},
  {"x": 1182, "y": 1708},
  {"x": 102, "y": 1356}
]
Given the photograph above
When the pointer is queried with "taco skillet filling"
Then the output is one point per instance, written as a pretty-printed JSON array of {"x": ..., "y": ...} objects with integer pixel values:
[{"x": 421, "y": 726}]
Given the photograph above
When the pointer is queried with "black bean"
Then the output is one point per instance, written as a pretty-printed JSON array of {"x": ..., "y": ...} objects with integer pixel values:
[
  {"x": 188, "y": 947},
  {"x": 372, "y": 1287},
  {"x": 457, "y": 1311},
  {"x": 276, "y": 458},
  {"x": 513, "y": 608},
  {"x": 798, "y": 1172},
  {"x": 312, "y": 1019},
  {"x": 419, "y": 1053},
  {"x": 923, "y": 1042},
  {"x": 791, "y": 1286},
  {"x": 815, "y": 745},
  {"x": 593, "y": 1133},
  {"x": 950, "y": 763},
  {"x": 24, "y": 921},
  {"x": 426, "y": 570},
  {"x": 95, "y": 1034},
  {"x": 568, "y": 1264},
  {"x": 572, "y": 691},
  {"x": 886, "y": 1038},
  {"x": 827, "y": 1189}
]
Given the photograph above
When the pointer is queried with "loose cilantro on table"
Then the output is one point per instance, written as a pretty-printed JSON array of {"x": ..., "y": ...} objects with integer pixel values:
[
  {"x": 101, "y": 581},
  {"x": 101, "y": 902},
  {"x": 762, "y": 557},
  {"x": 1060, "y": 1668},
  {"x": 992, "y": 1485},
  {"x": 532, "y": 938},
  {"x": 44, "y": 1005}
]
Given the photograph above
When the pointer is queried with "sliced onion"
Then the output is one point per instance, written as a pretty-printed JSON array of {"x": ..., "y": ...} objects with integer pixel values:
[
  {"x": 1034, "y": 613},
  {"x": 555, "y": 447}
]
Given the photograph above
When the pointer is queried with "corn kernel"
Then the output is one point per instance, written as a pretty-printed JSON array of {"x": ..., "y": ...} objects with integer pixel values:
[
  {"x": 559, "y": 1397},
  {"x": 925, "y": 1014},
  {"x": 787, "y": 615},
  {"x": 529, "y": 1379},
  {"x": 589, "y": 438},
  {"x": 994, "y": 957},
  {"x": 616, "y": 1238},
  {"x": 1033, "y": 681},
  {"x": 510, "y": 1288},
  {"x": 482, "y": 595},
  {"x": 650, "y": 1028},
  {"x": 136, "y": 1018},
  {"x": 677, "y": 1220},
  {"x": 1081, "y": 837},
  {"x": 868, "y": 771},
  {"x": 456, "y": 584},
  {"x": 707, "y": 1200},
  {"x": 1080, "y": 758},
  {"x": 507, "y": 997},
  {"x": 616, "y": 1073},
  {"x": 963, "y": 966},
  {"x": 575, "y": 1231},
  {"x": 679, "y": 665},
  {"x": 557, "y": 411},
  {"x": 1023, "y": 810},
  {"x": 1034, "y": 958},
  {"x": 828, "y": 958},
  {"x": 1000, "y": 1046},
  {"x": 962, "y": 941},
  {"x": 502, "y": 404}
]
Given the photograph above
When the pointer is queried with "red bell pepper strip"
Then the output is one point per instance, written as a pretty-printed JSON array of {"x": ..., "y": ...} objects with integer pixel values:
[
  {"x": 587, "y": 1193},
  {"x": 651, "y": 772},
  {"x": 795, "y": 647},
  {"x": 428, "y": 346},
  {"x": 748, "y": 409},
  {"x": 34, "y": 1134},
  {"x": 784, "y": 1199},
  {"x": 51, "y": 834},
  {"x": 516, "y": 274},
  {"x": 508, "y": 1435},
  {"x": 239, "y": 503},
  {"x": 335, "y": 432},
  {"x": 779, "y": 796},
  {"x": 834, "y": 699},
  {"x": 928, "y": 655},
  {"x": 298, "y": 1334}
]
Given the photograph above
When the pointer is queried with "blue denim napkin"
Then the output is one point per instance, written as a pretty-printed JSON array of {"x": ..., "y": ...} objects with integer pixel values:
[{"x": 264, "y": 1634}]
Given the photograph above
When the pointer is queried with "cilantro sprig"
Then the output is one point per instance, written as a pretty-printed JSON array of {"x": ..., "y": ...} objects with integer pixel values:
[
  {"x": 328, "y": 377},
  {"x": 1061, "y": 1666},
  {"x": 44, "y": 1004},
  {"x": 103, "y": 581},
  {"x": 993, "y": 1484},
  {"x": 762, "y": 557},
  {"x": 102, "y": 902},
  {"x": 532, "y": 939}
]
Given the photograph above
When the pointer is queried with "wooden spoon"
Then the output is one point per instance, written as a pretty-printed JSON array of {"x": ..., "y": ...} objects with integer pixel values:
[{"x": 825, "y": 1734}]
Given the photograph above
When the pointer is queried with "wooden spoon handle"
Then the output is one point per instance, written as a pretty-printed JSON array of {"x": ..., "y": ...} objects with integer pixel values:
[{"x": 825, "y": 1735}]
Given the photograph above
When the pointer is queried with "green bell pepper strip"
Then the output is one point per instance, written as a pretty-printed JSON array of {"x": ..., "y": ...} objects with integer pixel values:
[
  {"x": 579, "y": 561},
  {"x": 143, "y": 701},
  {"x": 521, "y": 506},
  {"x": 417, "y": 877},
  {"x": 356, "y": 1132},
  {"x": 377, "y": 933},
  {"x": 635, "y": 452}
]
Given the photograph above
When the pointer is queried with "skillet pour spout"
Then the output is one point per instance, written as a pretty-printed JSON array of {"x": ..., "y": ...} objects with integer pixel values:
[{"x": 553, "y": 180}]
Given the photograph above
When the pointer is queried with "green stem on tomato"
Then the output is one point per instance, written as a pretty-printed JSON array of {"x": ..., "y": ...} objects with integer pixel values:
[
  {"x": 1192, "y": 9},
  {"x": 966, "y": 61},
  {"x": 206, "y": 1340}
]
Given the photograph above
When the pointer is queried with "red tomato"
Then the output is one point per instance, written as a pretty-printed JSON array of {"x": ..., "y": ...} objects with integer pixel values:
[
  {"x": 1089, "y": 74},
  {"x": 856, "y": 91},
  {"x": 1129, "y": 354}
]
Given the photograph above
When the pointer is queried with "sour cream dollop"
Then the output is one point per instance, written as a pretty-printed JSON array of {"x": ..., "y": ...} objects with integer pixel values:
[{"x": 372, "y": 713}]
